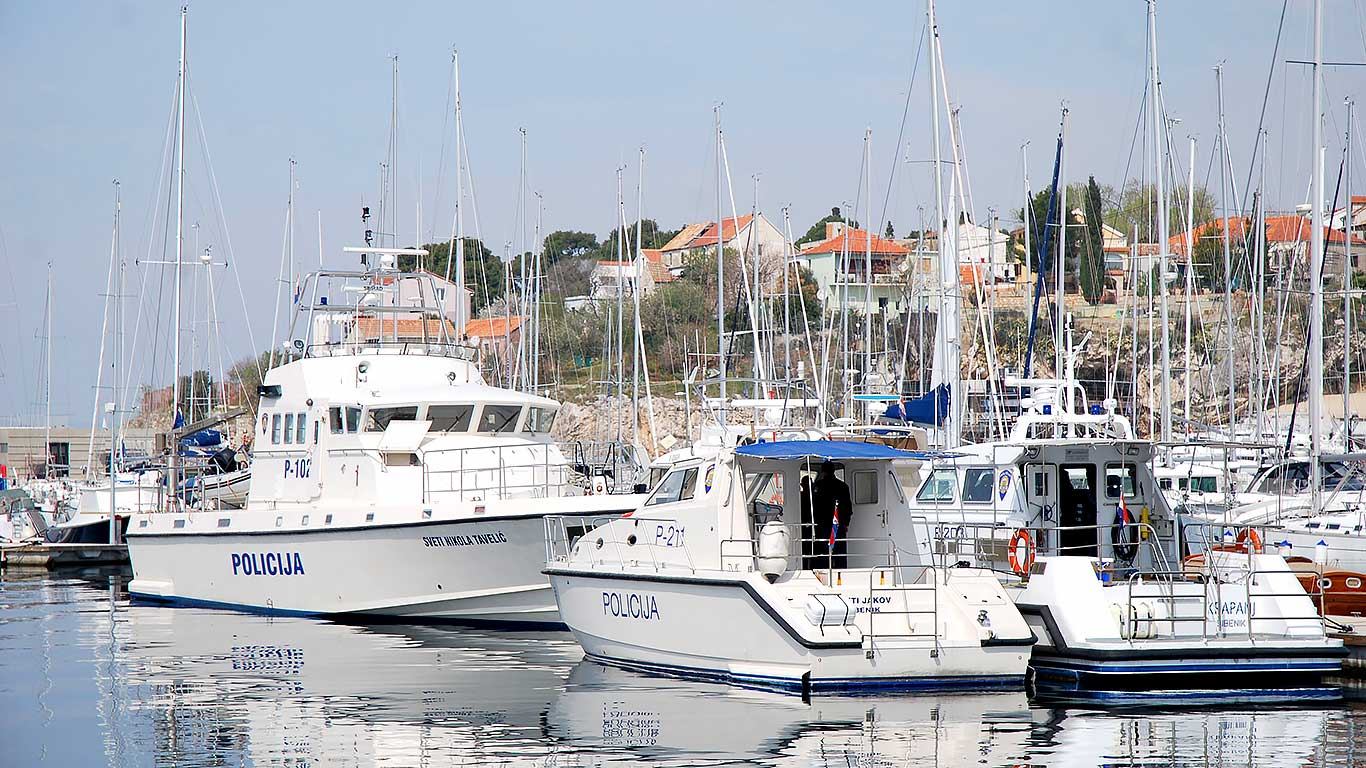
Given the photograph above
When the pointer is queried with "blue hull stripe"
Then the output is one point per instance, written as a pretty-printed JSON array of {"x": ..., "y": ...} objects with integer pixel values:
[
  {"x": 370, "y": 618},
  {"x": 868, "y": 684},
  {"x": 1233, "y": 666},
  {"x": 1257, "y": 695}
]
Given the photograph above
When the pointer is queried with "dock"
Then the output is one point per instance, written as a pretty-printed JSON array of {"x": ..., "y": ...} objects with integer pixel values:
[{"x": 43, "y": 555}]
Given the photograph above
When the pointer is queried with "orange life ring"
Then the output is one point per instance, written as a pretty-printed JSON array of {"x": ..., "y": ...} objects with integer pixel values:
[
  {"x": 1021, "y": 565},
  {"x": 1249, "y": 536}
]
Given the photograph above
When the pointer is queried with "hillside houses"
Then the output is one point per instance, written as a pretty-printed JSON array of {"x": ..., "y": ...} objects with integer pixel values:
[{"x": 743, "y": 234}]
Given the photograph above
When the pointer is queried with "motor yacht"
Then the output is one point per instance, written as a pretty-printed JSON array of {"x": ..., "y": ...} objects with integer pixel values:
[{"x": 387, "y": 480}]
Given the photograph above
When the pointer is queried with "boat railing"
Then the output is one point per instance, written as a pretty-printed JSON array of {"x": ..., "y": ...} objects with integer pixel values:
[
  {"x": 612, "y": 461},
  {"x": 644, "y": 541},
  {"x": 993, "y": 546},
  {"x": 921, "y": 579},
  {"x": 497, "y": 472},
  {"x": 562, "y": 532},
  {"x": 391, "y": 347},
  {"x": 1166, "y": 594}
]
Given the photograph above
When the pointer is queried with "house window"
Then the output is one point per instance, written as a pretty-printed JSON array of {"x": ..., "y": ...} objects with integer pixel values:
[{"x": 440, "y": 294}]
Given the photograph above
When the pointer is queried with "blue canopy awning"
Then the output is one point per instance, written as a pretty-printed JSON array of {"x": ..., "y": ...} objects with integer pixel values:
[{"x": 832, "y": 450}]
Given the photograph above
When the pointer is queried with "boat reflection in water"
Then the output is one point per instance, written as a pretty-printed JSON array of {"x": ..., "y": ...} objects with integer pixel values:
[
  {"x": 610, "y": 709},
  {"x": 92, "y": 680}
]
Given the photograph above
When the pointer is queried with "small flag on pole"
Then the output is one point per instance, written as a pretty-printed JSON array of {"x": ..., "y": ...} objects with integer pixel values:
[{"x": 835, "y": 525}]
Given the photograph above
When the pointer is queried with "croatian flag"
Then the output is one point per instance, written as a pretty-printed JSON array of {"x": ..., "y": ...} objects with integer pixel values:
[
  {"x": 1124, "y": 518},
  {"x": 835, "y": 525}
]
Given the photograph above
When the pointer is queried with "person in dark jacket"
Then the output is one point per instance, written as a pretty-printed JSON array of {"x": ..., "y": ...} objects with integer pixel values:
[{"x": 830, "y": 495}]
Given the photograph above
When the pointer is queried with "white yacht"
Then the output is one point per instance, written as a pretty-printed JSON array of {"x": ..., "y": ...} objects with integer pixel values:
[
  {"x": 1069, "y": 513},
  {"x": 388, "y": 480},
  {"x": 709, "y": 579}
]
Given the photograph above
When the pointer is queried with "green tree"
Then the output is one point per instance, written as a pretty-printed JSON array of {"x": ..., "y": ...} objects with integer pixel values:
[
  {"x": 1135, "y": 208},
  {"x": 1092, "y": 257},
  {"x": 567, "y": 244},
  {"x": 889, "y": 232},
  {"x": 817, "y": 231},
  {"x": 1039, "y": 229},
  {"x": 197, "y": 391}
]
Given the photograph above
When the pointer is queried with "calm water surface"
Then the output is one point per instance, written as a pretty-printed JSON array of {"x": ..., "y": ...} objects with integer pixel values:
[{"x": 86, "y": 679}]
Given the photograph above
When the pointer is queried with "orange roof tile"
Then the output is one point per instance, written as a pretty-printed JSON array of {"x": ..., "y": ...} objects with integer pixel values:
[
  {"x": 729, "y": 228},
  {"x": 856, "y": 241},
  {"x": 492, "y": 327},
  {"x": 1279, "y": 229},
  {"x": 684, "y": 236}
]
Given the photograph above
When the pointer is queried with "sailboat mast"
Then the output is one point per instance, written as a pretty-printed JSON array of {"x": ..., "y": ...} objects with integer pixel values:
[
  {"x": 638, "y": 269},
  {"x": 1347, "y": 293},
  {"x": 1190, "y": 277},
  {"x": 1154, "y": 109},
  {"x": 1060, "y": 261},
  {"x": 47, "y": 378},
  {"x": 174, "y": 464},
  {"x": 720, "y": 278},
  {"x": 869, "y": 227},
  {"x": 116, "y": 427},
  {"x": 945, "y": 280},
  {"x": 1224, "y": 183},
  {"x": 1315, "y": 391}
]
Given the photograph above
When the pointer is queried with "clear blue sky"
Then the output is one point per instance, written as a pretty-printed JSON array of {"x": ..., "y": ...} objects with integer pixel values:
[{"x": 87, "y": 96}]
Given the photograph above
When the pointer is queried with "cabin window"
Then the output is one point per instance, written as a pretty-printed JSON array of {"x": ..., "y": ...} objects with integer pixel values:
[
  {"x": 301, "y": 428},
  {"x": 289, "y": 428},
  {"x": 450, "y": 418},
  {"x": 1182, "y": 484},
  {"x": 939, "y": 486},
  {"x": 377, "y": 419},
  {"x": 1165, "y": 483},
  {"x": 677, "y": 486},
  {"x": 539, "y": 420},
  {"x": 353, "y": 418},
  {"x": 1205, "y": 484},
  {"x": 334, "y": 420},
  {"x": 499, "y": 418},
  {"x": 317, "y": 427},
  {"x": 275, "y": 429},
  {"x": 865, "y": 486},
  {"x": 977, "y": 485},
  {"x": 1120, "y": 481}
]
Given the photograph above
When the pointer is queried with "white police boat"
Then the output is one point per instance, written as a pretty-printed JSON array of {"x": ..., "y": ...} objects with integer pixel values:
[
  {"x": 388, "y": 480},
  {"x": 709, "y": 579}
]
